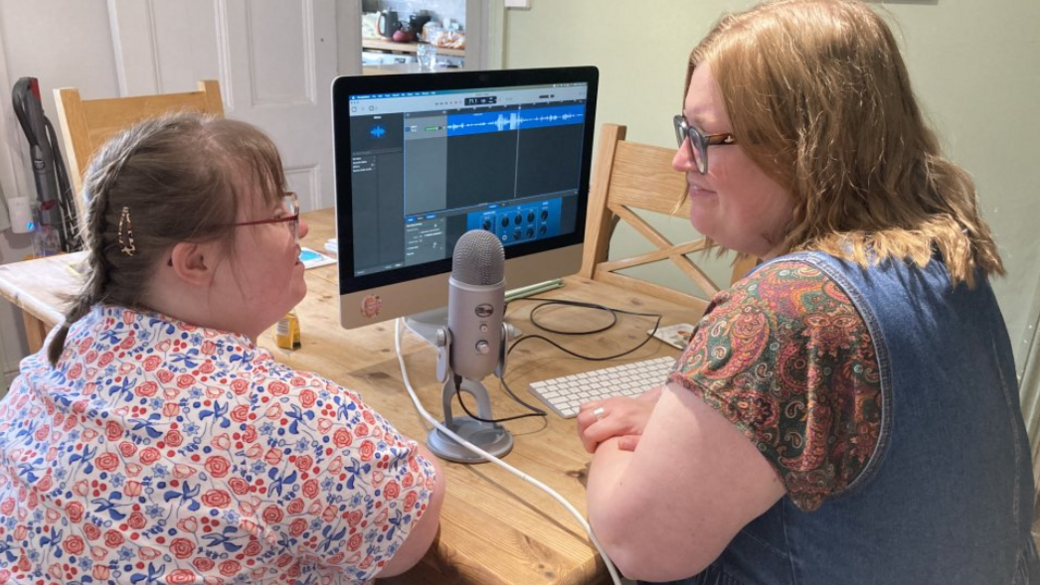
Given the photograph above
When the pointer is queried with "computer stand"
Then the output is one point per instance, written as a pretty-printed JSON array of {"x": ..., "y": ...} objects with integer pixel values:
[{"x": 426, "y": 324}]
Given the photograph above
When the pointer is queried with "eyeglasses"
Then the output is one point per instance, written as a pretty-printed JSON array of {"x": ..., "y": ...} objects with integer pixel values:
[
  {"x": 291, "y": 204},
  {"x": 699, "y": 141}
]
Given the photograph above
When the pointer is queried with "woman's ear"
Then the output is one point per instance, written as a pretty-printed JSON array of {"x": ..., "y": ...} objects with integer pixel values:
[{"x": 193, "y": 263}]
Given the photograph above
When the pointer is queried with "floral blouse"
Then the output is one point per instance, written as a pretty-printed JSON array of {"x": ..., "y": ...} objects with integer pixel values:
[
  {"x": 785, "y": 356},
  {"x": 161, "y": 452}
]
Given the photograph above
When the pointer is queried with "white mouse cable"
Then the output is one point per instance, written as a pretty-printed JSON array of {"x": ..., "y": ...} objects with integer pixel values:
[{"x": 440, "y": 426}]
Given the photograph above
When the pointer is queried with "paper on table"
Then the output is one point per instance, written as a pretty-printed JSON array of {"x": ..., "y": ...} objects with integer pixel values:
[
  {"x": 312, "y": 259},
  {"x": 675, "y": 335}
]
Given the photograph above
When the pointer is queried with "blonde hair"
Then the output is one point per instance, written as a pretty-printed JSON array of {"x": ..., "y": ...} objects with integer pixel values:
[
  {"x": 179, "y": 178},
  {"x": 820, "y": 99}
]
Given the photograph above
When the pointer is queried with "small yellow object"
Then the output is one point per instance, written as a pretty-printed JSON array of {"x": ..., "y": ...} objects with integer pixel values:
[{"x": 287, "y": 332}]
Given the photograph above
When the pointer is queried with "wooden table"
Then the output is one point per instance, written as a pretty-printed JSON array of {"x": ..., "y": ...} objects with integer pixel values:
[
  {"x": 38, "y": 287},
  {"x": 495, "y": 528}
]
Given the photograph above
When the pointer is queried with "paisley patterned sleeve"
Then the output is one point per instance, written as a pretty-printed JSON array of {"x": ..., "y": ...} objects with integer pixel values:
[{"x": 785, "y": 356}]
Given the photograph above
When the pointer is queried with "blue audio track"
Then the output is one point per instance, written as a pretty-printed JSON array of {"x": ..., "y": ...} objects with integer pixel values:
[{"x": 513, "y": 120}]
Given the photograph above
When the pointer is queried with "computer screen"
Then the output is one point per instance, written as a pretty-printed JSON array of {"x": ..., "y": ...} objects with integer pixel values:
[{"x": 422, "y": 158}]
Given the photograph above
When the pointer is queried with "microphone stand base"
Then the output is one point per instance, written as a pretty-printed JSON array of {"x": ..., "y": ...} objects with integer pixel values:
[{"x": 491, "y": 437}]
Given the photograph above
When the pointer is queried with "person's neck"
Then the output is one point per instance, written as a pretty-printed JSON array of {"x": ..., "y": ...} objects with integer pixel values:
[
  {"x": 191, "y": 304},
  {"x": 772, "y": 248},
  {"x": 774, "y": 253}
]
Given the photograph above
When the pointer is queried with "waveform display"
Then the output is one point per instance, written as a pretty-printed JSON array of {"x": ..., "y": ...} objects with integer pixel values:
[{"x": 514, "y": 120}]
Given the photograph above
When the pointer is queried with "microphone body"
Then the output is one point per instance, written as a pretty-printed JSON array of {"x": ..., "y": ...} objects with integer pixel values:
[
  {"x": 471, "y": 347},
  {"x": 476, "y": 303}
]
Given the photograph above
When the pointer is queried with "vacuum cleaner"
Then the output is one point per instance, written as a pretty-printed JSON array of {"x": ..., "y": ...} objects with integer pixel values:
[{"x": 55, "y": 211}]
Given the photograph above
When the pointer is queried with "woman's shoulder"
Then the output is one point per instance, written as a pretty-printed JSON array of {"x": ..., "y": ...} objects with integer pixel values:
[
  {"x": 266, "y": 375},
  {"x": 117, "y": 324},
  {"x": 788, "y": 267},
  {"x": 785, "y": 303},
  {"x": 786, "y": 287},
  {"x": 785, "y": 355}
]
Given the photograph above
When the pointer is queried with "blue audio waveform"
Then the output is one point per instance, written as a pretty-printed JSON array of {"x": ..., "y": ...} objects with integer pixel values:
[
  {"x": 377, "y": 131},
  {"x": 513, "y": 120}
]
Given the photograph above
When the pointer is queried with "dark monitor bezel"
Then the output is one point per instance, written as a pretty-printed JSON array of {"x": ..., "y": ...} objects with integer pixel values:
[{"x": 344, "y": 87}]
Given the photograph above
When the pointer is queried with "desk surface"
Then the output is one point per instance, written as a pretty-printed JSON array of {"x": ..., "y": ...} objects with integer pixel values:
[{"x": 495, "y": 527}]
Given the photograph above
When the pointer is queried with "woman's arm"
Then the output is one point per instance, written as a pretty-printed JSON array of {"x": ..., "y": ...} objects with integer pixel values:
[
  {"x": 691, "y": 484},
  {"x": 421, "y": 537}
]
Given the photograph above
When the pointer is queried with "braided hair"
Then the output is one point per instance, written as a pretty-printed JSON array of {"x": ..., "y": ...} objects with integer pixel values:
[{"x": 163, "y": 181}]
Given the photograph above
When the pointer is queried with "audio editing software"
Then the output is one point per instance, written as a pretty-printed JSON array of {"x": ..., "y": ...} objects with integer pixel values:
[{"x": 428, "y": 166}]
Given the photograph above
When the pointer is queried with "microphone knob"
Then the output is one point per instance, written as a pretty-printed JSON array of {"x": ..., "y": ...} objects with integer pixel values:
[{"x": 482, "y": 347}]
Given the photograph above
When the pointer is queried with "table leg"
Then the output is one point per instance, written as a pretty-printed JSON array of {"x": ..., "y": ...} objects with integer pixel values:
[{"x": 35, "y": 331}]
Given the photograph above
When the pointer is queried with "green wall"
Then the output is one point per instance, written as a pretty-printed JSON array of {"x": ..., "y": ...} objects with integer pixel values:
[{"x": 975, "y": 66}]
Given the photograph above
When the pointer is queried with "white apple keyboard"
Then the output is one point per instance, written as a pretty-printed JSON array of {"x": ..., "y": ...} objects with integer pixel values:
[{"x": 565, "y": 394}]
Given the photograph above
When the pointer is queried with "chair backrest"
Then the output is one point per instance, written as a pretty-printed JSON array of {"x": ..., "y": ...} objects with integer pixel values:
[
  {"x": 630, "y": 176},
  {"x": 87, "y": 124}
]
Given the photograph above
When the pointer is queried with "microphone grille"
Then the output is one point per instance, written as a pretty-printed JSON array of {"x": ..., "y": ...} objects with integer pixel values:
[{"x": 479, "y": 259}]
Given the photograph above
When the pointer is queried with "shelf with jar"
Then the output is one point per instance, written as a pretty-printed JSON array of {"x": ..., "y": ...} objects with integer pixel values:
[{"x": 410, "y": 47}]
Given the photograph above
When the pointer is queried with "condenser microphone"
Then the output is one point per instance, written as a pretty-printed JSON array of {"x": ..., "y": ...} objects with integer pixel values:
[
  {"x": 471, "y": 347},
  {"x": 476, "y": 302}
]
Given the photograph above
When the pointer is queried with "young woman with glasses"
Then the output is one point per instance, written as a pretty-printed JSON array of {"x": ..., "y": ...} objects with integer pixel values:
[
  {"x": 848, "y": 412},
  {"x": 152, "y": 440}
]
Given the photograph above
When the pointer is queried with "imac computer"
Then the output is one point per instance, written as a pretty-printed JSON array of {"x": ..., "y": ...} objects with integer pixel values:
[{"x": 420, "y": 159}]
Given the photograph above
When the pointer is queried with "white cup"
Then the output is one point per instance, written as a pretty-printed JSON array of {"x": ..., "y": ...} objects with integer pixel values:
[{"x": 21, "y": 215}]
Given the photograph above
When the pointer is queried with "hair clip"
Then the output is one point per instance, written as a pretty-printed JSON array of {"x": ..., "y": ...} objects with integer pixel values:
[{"x": 128, "y": 246}]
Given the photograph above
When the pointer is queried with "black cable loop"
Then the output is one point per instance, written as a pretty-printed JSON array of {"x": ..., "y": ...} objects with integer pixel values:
[
  {"x": 549, "y": 302},
  {"x": 535, "y": 410},
  {"x": 534, "y": 320},
  {"x": 613, "y": 312}
]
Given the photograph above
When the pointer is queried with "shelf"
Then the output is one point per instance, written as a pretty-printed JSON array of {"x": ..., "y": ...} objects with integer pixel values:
[
  {"x": 395, "y": 68},
  {"x": 385, "y": 45}
]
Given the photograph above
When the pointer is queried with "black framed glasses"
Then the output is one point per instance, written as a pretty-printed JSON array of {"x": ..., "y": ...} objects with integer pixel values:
[
  {"x": 699, "y": 141},
  {"x": 291, "y": 204}
]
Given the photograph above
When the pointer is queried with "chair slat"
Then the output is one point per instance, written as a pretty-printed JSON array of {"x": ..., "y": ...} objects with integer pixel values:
[
  {"x": 643, "y": 178},
  {"x": 655, "y": 256}
]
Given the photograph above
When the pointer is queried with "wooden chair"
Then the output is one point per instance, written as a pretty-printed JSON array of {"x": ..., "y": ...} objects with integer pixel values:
[
  {"x": 87, "y": 124},
  {"x": 630, "y": 176}
]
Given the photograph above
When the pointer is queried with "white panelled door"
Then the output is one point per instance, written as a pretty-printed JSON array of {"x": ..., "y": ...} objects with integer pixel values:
[{"x": 275, "y": 60}]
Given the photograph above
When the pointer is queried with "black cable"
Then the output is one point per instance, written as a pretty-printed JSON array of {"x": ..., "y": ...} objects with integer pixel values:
[
  {"x": 614, "y": 313},
  {"x": 509, "y": 391},
  {"x": 536, "y": 411},
  {"x": 66, "y": 198},
  {"x": 549, "y": 303}
]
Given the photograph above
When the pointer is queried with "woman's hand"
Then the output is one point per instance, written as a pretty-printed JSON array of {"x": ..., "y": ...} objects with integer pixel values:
[{"x": 616, "y": 417}]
